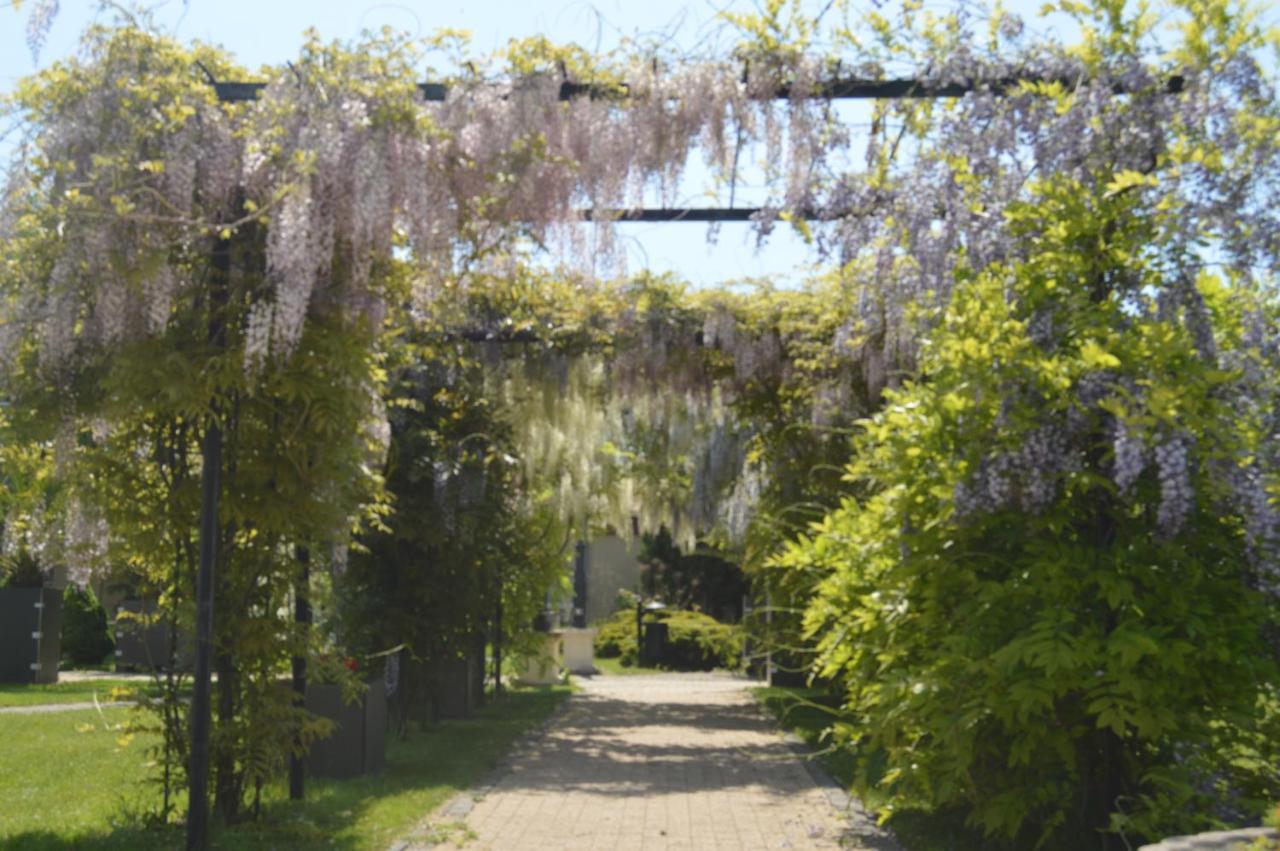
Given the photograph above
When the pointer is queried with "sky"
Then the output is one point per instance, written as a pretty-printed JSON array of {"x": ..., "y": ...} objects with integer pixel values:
[{"x": 262, "y": 32}]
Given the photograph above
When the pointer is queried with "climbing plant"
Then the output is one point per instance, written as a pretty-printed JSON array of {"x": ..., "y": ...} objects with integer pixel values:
[
  {"x": 468, "y": 549},
  {"x": 1067, "y": 511},
  {"x": 171, "y": 261}
]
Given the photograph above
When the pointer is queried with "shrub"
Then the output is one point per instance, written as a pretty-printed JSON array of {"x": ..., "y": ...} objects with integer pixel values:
[
  {"x": 695, "y": 642},
  {"x": 85, "y": 637},
  {"x": 616, "y": 637},
  {"x": 21, "y": 570},
  {"x": 1047, "y": 608},
  {"x": 701, "y": 580},
  {"x": 698, "y": 642}
]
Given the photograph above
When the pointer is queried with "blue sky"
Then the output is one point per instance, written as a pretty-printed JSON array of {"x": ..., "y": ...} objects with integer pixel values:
[{"x": 261, "y": 32}]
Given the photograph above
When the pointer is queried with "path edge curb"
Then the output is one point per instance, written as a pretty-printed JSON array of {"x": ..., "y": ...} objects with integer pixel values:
[
  {"x": 460, "y": 805},
  {"x": 861, "y": 826}
]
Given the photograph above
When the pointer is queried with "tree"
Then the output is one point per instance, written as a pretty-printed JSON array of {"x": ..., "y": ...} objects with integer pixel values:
[{"x": 468, "y": 550}]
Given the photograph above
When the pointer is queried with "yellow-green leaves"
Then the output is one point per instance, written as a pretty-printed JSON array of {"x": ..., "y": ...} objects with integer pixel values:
[
  {"x": 1096, "y": 357},
  {"x": 1130, "y": 179}
]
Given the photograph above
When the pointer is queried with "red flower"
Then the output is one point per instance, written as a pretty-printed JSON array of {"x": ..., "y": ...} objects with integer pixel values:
[{"x": 352, "y": 665}]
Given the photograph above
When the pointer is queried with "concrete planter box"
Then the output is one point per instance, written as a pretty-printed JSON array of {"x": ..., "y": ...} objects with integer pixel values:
[
  {"x": 147, "y": 649},
  {"x": 30, "y": 634},
  {"x": 1217, "y": 840},
  {"x": 543, "y": 668},
  {"x": 579, "y": 650},
  {"x": 358, "y": 744}
]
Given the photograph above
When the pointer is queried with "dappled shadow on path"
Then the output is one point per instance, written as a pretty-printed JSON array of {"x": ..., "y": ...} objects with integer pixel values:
[
  {"x": 610, "y": 746},
  {"x": 665, "y": 752},
  {"x": 597, "y": 714}
]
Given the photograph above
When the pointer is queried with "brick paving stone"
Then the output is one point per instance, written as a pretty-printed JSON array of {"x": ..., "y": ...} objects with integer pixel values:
[{"x": 679, "y": 761}]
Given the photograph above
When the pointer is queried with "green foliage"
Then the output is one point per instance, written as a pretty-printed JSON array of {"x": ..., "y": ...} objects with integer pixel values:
[
  {"x": 21, "y": 570},
  {"x": 1055, "y": 672},
  {"x": 809, "y": 713},
  {"x": 701, "y": 581},
  {"x": 1067, "y": 670},
  {"x": 616, "y": 637},
  {"x": 467, "y": 543},
  {"x": 698, "y": 642},
  {"x": 296, "y": 472},
  {"x": 86, "y": 638},
  {"x": 695, "y": 642}
]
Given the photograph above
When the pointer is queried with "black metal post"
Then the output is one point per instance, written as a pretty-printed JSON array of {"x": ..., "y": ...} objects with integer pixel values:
[
  {"x": 640, "y": 633},
  {"x": 302, "y": 615},
  {"x": 210, "y": 491},
  {"x": 768, "y": 636},
  {"x": 580, "y": 586},
  {"x": 198, "y": 800}
]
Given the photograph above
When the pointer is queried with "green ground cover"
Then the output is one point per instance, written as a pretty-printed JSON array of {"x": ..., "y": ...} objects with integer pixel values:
[
  {"x": 20, "y": 694},
  {"x": 807, "y": 713},
  {"x": 67, "y": 782},
  {"x": 695, "y": 641},
  {"x": 613, "y": 667}
]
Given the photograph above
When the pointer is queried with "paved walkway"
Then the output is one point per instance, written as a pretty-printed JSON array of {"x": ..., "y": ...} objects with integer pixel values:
[
  {"x": 91, "y": 676},
  {"x": 681, "y": 761}
]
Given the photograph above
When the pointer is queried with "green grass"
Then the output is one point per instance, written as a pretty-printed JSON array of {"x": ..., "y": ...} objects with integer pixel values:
[
  {"x": 64, "y": 775},
  {"x": 807, "y": 712},
  {"x": 66, "y": 783},
  {"x": 19, "y": 694},
  {"x": 615, "y": 667}
]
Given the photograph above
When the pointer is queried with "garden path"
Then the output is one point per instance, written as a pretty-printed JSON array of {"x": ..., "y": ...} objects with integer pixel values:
[{"x": 672, "y": 761}]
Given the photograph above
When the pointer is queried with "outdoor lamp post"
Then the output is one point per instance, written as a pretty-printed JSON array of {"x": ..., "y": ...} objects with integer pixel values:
[{"x": 643, "y": 609}]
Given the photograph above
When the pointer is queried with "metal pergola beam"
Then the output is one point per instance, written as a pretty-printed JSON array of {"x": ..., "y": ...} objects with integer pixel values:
[
  {"x": 848, "y": 88},
  {"x": 677, "y": 214}
]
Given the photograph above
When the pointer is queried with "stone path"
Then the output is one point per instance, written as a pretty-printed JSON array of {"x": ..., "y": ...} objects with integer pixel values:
[
  {"x": 681, "y": 761},
  {"x": 91, "y": 676}
]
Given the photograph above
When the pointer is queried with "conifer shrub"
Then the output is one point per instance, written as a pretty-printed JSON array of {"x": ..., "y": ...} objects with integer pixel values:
[
  {"x": 86, "y": 639},
  {"x": 695, "y": 641}
]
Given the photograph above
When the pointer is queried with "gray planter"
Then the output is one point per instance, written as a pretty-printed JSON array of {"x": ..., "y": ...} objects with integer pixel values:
[
  {"x": 30, "y": 634},
  {"x": 412, "y": 700},
  {"x": 141, "y": 648},
  {"x": 452, "y": 688},
  {"x": 359, "y": 741},
  {"x": 475, "y": 661}
]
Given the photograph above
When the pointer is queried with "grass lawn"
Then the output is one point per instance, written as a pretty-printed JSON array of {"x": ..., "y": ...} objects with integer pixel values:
[
  {"x": 19, "y": 694},
  {"x": 67, "y": 783},
  {"x": 916, "y": 831}
]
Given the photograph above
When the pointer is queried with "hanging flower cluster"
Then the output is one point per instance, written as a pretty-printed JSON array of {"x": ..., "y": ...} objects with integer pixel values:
[
  {"x": 136, "y": 172},
  {"x": 342, "y": 160}
]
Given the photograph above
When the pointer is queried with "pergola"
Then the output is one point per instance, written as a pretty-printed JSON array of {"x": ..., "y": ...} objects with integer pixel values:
[{"x": 211, "y": 449}]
